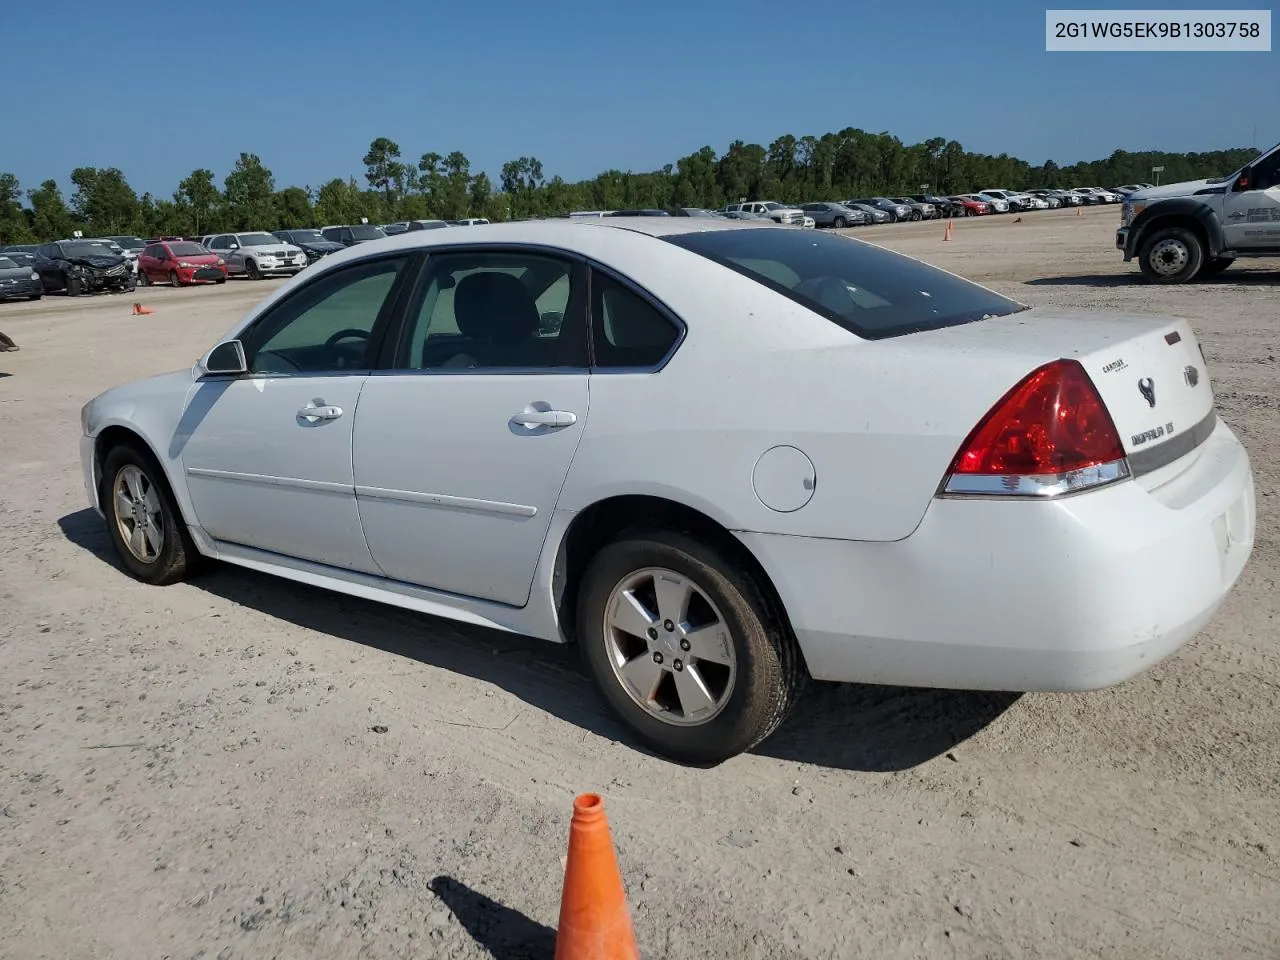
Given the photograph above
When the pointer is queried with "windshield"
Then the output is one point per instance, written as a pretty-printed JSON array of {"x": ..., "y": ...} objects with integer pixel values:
[
  {"x": 866, "y": 289},
  {"x": 258, "y": 240},
  {"x": 188, "y": 250},
  {"x": 7, "y": 264},
  {"x": 308, "y": 236},
  {"x": 110, "y": 245},
  {"x": 83, "y": 248},
  {"x": 129, "y": 243},
  {"x": 367, "y": 231}
]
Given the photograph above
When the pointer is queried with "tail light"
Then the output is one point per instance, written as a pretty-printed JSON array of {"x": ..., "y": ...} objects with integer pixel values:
[{"x": 1051, "y": 434}]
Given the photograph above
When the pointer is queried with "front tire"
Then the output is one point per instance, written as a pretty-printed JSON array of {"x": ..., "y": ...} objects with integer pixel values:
[
  {"x": 684, "y": 646},
  {"x": 251, "y": 270},
  {"x": 916, "y": 215},
  {"x": 1171, "y": 255},
  {"x": 143, "y": 521},
  {"x": 840, "y": 223},
  {"x": 174, "y": 279},
  {"x": 144, "y": 279},
  {"x": 74, "y": 287},
  {"x": 35, "y": 296}
]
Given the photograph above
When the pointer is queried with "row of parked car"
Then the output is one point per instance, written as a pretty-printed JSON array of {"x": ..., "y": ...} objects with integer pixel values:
[{"x": 120, "y": 263}]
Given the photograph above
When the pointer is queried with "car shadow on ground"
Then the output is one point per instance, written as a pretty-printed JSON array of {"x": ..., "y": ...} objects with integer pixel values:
[
  {"x": 506, "y": 933},
  {"x": 845, "y": 726},
  {"x": 1231, "y": 277}
]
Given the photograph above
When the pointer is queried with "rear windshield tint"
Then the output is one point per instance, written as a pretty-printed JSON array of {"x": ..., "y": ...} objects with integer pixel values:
[{"x": 867, "y": 290}]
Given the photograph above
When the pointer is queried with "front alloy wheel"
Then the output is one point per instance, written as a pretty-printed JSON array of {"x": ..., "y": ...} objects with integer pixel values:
[
  {"x": 143, "y": 521},
  {"x": 139, "y": 516}
]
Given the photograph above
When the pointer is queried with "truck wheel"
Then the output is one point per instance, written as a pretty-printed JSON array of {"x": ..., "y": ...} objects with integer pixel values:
[
  {"x": 1216, "y": 265},
  {"x": 1171, "y": 255}
]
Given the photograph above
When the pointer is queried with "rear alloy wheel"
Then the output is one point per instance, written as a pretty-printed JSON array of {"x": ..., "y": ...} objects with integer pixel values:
[
  {"x": 174, "y": 279},
  {"x": 1171, "y": 255},
  {"x": 251, "y": 270},
  {"x": 684, "y": 646},
  {"x": 142, "y": 519}
]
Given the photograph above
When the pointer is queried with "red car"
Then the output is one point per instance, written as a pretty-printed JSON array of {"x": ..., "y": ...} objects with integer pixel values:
[
  {"x": 972, "y": 206},
  {"x": 180, "y": 263}
]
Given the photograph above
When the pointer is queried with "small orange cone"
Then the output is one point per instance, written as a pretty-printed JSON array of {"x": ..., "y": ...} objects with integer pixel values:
[
  {"x": 946, "y": 234},
  {"x": 594, "y": 922},
  {"x": 139, "y": 310},
  {"x": 1078, "y": 212}
]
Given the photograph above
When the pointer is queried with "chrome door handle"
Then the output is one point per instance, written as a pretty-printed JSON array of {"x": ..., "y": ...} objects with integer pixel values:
[
  {"x": 545, "y": 418},
  {"x": 315, "y": 413}
]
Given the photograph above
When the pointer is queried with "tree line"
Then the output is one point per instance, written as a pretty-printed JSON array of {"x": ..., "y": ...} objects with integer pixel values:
[{"x": 850, "y": 163}]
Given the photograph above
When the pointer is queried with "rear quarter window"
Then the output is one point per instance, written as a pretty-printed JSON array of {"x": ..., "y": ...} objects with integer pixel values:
[{"x": 867, "y": 290}]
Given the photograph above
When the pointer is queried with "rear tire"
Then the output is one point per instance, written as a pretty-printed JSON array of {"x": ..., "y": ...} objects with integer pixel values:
[
  {"x": 35, "y": 296},
  {"x": 152, "y": 541},
  {"x": 746, "y": 683},
  {"x": 917, "y": 215},
  {"x": 1171, "y": 255}
]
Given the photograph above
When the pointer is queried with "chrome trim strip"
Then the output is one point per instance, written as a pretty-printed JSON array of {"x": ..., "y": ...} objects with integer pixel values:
[
  {"x": 496, "y": 507},
  {"x": 1034, "y": 487},
  {"x": 1175, "y": 448},
  {"x": 312, "y": 486}
]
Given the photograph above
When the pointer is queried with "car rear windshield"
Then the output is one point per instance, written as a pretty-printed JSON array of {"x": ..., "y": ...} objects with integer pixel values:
[
  {"x": 867, "y": 290},
  {"x": 187, "y": 250}
]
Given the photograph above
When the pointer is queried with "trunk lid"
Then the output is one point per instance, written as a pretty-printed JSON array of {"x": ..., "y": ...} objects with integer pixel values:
[{"x": 1148, "y": 370}]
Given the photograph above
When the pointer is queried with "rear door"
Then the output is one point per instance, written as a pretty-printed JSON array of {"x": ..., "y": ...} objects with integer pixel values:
[{"x": 461, "y": 450}]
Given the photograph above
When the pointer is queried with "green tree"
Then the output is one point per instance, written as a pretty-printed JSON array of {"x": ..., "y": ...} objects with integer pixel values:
[
  {"x": 383, "y": 169},
  {"x": 103, "y": 200},
  {"x": 479, "y": 194},
  {"x": 197, "y": 198},
  {"x": 431, "y": 181},
  {"x": 50, "y": 218},
  {"x": 340, "y": 201},
  {"x": 249, "y": 195},
  {"x": 293, "y": 208},
  {"x": 457, "y": 180},
  {"x": 521, "y": 180},
  {"x": 14, "y": 226}
]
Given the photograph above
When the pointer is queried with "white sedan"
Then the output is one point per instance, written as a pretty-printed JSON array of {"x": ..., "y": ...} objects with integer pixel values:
[{"x": 719, "y": 456}]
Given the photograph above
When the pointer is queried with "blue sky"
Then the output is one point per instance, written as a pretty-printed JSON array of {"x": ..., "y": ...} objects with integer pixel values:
[{"x": 306, "y": 84}]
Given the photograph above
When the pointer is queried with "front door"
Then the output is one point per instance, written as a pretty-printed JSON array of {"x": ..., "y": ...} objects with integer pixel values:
[
  {"x": 267, "y": 456},
  {"x": 1251, "y": 207},
  {"x": 462, "y": 449}
]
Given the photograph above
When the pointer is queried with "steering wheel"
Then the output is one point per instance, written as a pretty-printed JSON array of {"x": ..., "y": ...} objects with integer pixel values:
[{"x": 348, "y": 334}]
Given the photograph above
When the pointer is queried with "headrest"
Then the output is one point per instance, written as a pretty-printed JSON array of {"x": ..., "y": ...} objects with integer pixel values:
[{"x": 495, "y": 307}]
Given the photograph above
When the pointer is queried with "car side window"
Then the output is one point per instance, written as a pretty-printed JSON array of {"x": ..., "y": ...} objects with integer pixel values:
[
  {"x": 627, "y": 330},
  {"x": 497, "y": 310},
  {"x": 1266, "y": 174},
  {"x": 328, "y": 325}
]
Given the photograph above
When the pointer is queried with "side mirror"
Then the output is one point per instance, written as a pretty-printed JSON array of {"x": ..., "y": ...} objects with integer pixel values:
[
  {"x": 233, "y": 246},
  {"x": 226, "y": 359}
]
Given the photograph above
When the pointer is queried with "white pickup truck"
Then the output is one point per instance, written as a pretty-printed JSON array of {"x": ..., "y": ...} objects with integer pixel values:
[
  {"x": 1182, "y": 231},
  {"x": 775, "y": 211}
]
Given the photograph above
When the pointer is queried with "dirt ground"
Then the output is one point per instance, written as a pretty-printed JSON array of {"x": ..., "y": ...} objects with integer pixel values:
[{"x": 242, "y": 767}]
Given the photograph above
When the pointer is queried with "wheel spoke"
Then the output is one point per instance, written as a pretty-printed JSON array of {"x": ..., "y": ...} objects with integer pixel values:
[
  {"x": 694, "y": 696},
  {"x": 643, "y": 675},
  {"x": 124, "y": 506},
  {"x": 673, "y": 598},
  {"x": 133, "y": 480},
  {"x": 630, "y": 616},
  {"x": 152, "y": 500},
  {"x": 710, "y": 643},
  {"x": 138, "y": 542},
  {"x": 154, "y": 538}
]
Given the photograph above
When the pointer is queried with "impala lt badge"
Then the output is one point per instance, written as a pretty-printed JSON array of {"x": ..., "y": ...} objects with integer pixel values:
[
  {"x": 1192, "y": 375},
  {"x": 1147, "y": 387}
]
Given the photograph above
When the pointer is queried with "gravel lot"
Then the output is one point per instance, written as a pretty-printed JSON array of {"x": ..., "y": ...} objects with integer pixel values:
[{"x": 242, "y": 767}]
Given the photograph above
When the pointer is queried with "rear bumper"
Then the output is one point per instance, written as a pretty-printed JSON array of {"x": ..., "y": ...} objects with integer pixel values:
[{"x": 1076, "y": 594}]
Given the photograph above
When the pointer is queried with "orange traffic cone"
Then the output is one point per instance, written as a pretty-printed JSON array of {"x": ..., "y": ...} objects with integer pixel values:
[
  {"x": 594, "y": 922},
  {"x": 1078, "y": 212},
  {"x": 139, "y": 310},
  {"x": 946, "y": 234}
]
